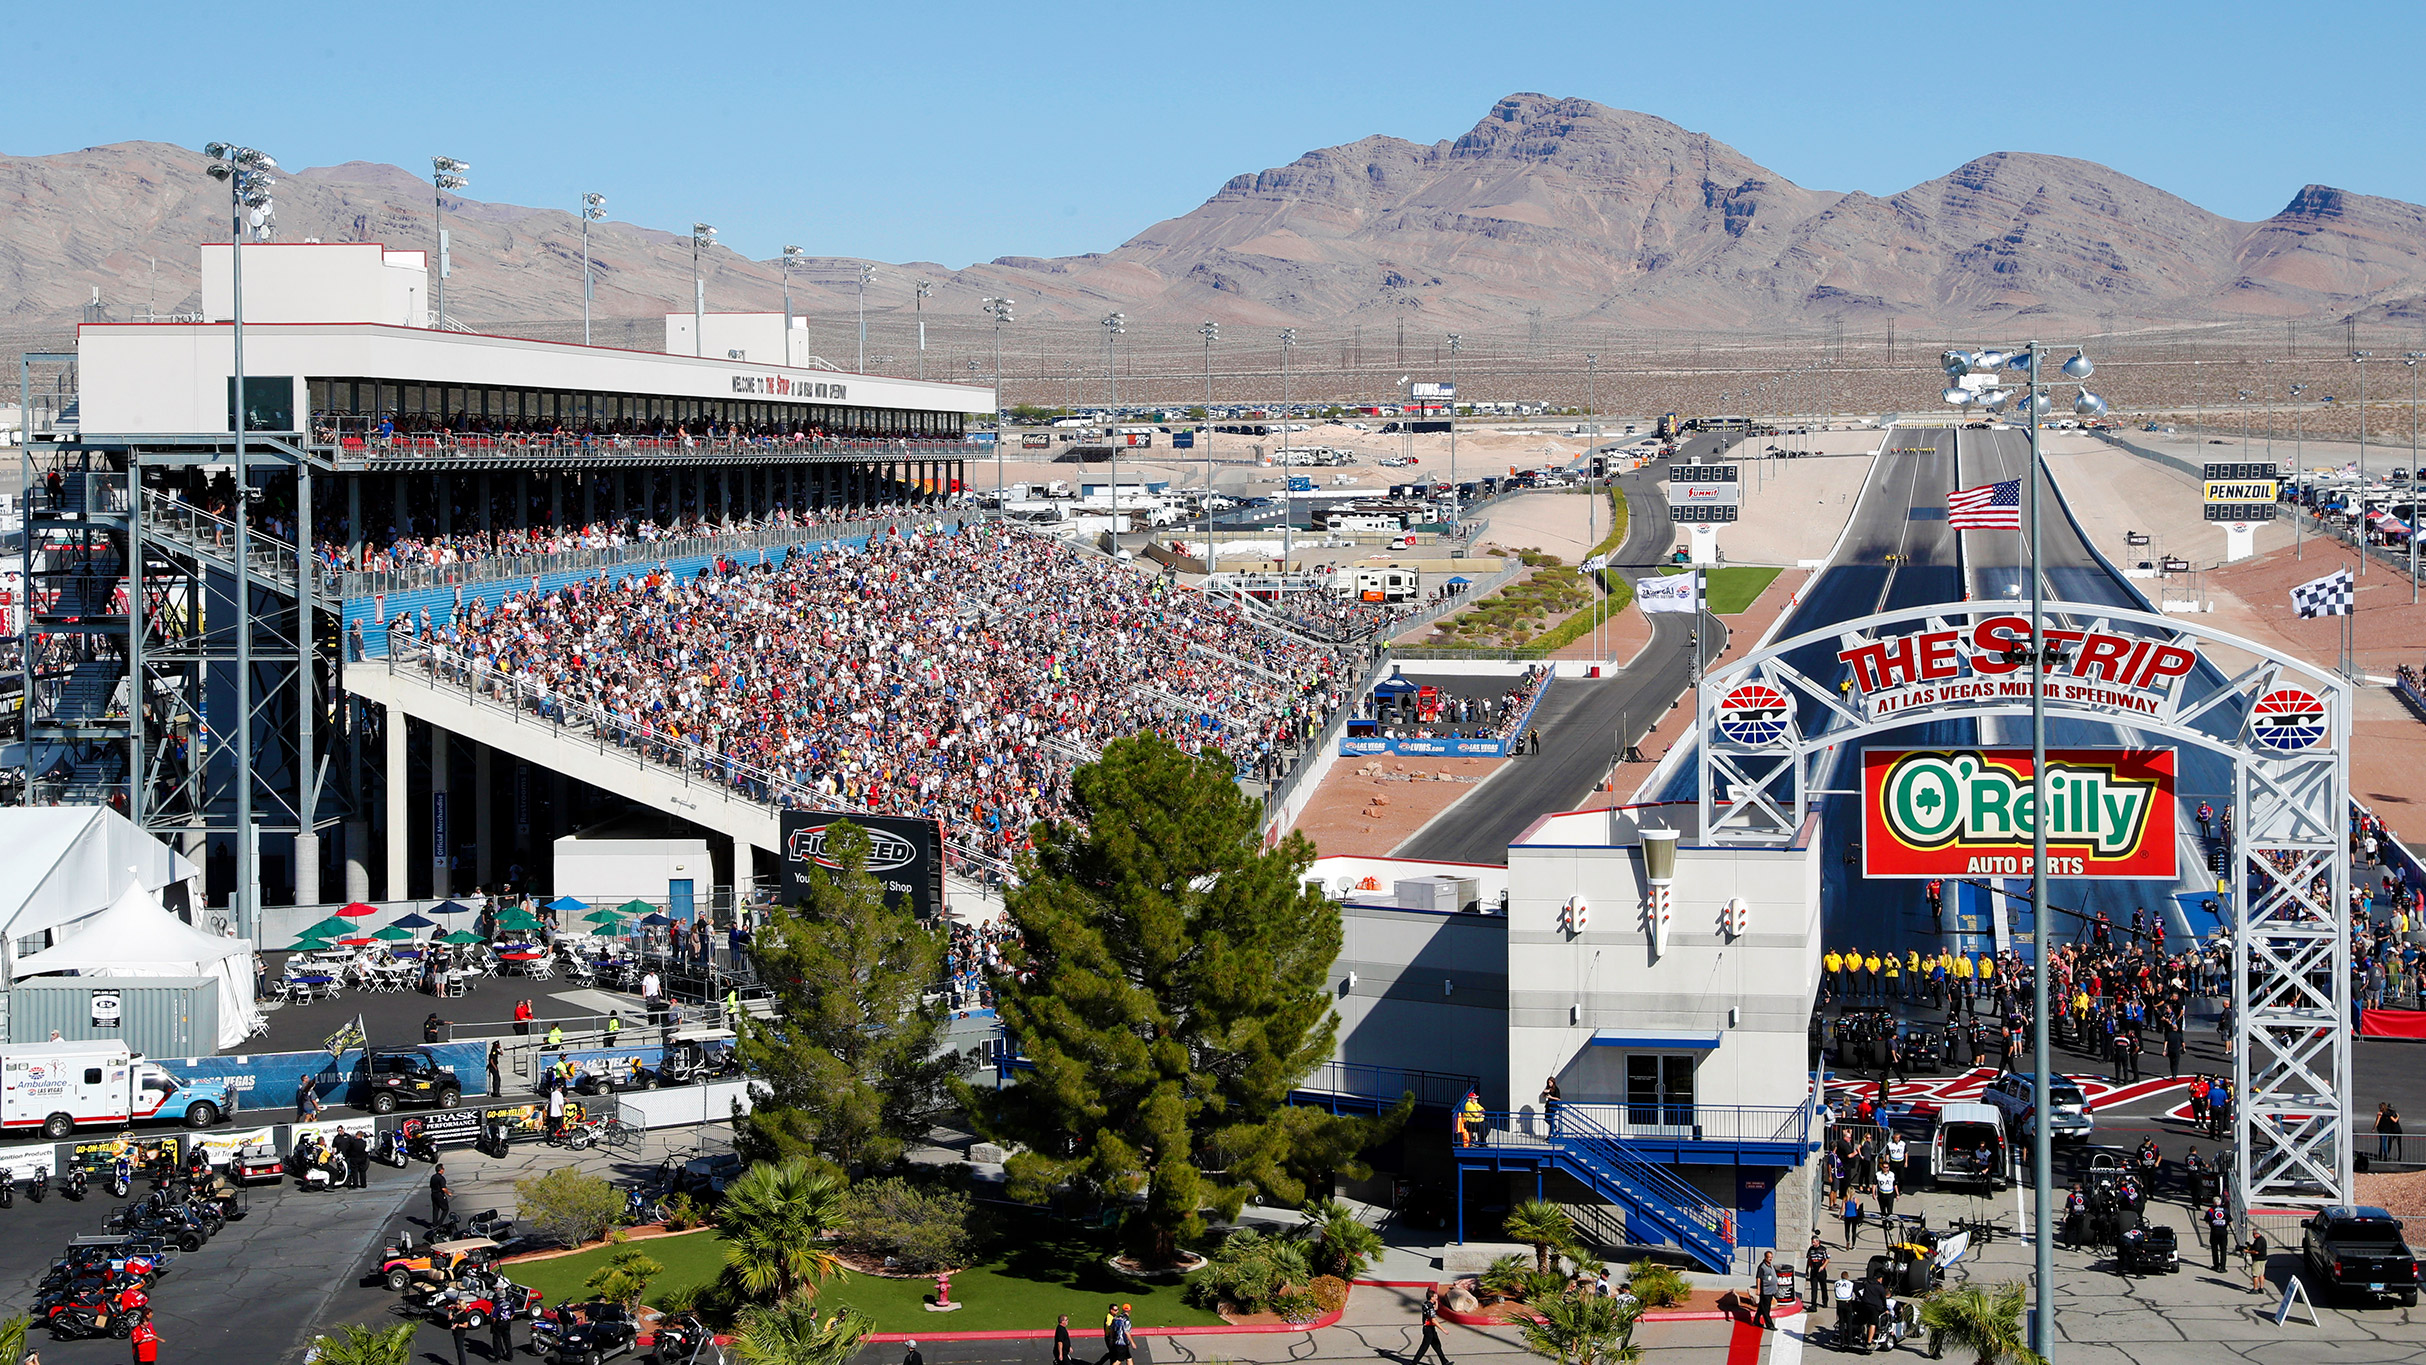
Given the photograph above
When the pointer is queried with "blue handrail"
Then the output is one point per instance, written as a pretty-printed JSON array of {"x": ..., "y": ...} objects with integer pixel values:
[{"x": 1612, "y": 1149}]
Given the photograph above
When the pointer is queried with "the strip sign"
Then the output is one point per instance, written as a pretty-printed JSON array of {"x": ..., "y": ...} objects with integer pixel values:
[
  {"x": 2123, "y": 673},
  {"x": 1973, "y": 813}
]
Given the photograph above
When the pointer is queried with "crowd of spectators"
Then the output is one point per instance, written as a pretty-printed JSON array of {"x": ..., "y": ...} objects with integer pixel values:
[
  {"x": 955, "y": 673},
  {"x": 972, "y": 955},
  {"x": 404, "y": 549},
  {"x": 1347, "y": 618},
  {"x": 445, "y": 431}
]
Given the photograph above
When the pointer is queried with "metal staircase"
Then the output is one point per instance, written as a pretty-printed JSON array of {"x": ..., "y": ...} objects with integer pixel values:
[{"x": 1600, "y": 1159}]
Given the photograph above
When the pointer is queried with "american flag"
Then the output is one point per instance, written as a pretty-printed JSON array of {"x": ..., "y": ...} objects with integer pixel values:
[{"x": 1989, "y": 507}]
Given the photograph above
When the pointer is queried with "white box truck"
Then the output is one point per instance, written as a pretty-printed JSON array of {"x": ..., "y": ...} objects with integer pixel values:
[{"x": 58, "y": 1087}]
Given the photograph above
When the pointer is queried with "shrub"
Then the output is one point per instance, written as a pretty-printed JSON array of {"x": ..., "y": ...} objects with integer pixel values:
[
  {"x": 1656, "y": 1285},
  {"x": 1541, "y": 1286},
  {"x": 1330, "y": 1293},
  {"x": 681, "y": 1214},
  {"x": 624, "y": 1278},
  {"x": 1505, "y": 1276},
  {"x": 567, "y": 1205},
  {"x": 1343, "y": 1244},
  {"x": 922, "y": 1230},
  {"x": 1251, "y": 1272}
]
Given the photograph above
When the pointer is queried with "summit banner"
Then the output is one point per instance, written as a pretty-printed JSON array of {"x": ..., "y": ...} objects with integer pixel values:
[{"x": 1971, "y": 813}]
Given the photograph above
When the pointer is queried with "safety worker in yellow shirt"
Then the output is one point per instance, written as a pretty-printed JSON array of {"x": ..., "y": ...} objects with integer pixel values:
[
  {"x": 1834, "y": 963},
  {"x": 1894, "y": 986}
]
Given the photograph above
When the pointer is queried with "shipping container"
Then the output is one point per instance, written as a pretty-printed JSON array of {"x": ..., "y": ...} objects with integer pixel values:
[{"x": 157, "y": 1016}]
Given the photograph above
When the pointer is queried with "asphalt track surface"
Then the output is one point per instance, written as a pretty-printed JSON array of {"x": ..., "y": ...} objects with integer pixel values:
[{"x": 1579, "y": 718}]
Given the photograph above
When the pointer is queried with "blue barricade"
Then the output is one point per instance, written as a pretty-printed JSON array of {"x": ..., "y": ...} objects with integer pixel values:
[
  {"x": 1428, "y": 748},
  {"x": 267, "y": 1080}
]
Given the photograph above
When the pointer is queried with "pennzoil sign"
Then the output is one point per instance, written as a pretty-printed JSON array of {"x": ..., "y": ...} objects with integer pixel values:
[{"x": 1971, "y": 813}]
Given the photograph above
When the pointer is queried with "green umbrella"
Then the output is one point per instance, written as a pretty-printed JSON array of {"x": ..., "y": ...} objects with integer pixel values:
[
  {"x": 393, "y": 932},
  {"x": 517, "y": 919},
  {"x": 459, "y": 936},
  {"x": 602, "y": 917},
  {"x": 332, "y": 927},
  {"x": 308, "y": 944},
  {"x": 634, "y": 907}
]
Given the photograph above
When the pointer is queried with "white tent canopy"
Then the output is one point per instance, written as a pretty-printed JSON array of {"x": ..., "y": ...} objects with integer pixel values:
[
  {"x": 60, "y": 864},
  {"x": 135, "y": 937}
]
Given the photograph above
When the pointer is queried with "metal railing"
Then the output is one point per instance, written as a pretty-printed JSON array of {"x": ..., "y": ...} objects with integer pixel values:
[
  {"x": 208, "y": 533},
  {"x": 361, "y": 583},
  {"x": 1327, "y": 737},
  {"x": 1658, "y": 1121},
  {"x": 1366, "y": 1080},
  {"x": 1596, "y": 1147},
  {"x": 646, "y": 746},
  {"x": 358, "y": 438}
]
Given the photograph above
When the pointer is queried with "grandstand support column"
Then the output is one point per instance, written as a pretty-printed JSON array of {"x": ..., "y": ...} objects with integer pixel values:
[
  {"x": 357, "y": 861},
  {"x": 724, "y": 491},
  {"x": 589, "y": 499},
  {"x": 619, "y": 496},
  {"x": 556, "y": 498},
  {"x": 484, "y": 824},
  {"x": 745, "y": 874},
  {"x": 487, "y": 520},
  {"x": 400, "y": 505},
  {"x": 353, "y": 525},
  {"x": 399, "y": 808},
  {"x": 444, "y": 496},
  {"x": 442, "y": 840},
  {"x": 307, "y": 698}
]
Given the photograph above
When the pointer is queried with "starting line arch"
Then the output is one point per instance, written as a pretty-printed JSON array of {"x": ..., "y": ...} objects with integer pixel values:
[{"x": 1771, "y": 720}]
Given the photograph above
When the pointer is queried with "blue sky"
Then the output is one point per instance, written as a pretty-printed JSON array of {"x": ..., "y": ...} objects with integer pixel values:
[{"x": 954, "y": 132}]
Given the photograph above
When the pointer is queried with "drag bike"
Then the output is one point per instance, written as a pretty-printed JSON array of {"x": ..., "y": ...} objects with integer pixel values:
[
  {"x": 8, "y": 1188},
  {"x": 122, "y": 1176},
  {"x": 389, "y": 1150},
  {"x": 38, "y": 1187}
]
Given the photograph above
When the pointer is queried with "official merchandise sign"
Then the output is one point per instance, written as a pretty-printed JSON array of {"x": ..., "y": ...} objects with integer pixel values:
[
  {"x": 1973, "y": 812},
  {"x": 109, "y": 1009},
  {"x": 905, "y": 855}
]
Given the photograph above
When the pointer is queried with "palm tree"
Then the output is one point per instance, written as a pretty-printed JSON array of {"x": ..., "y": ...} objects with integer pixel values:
[
  {"x": 770, "y": 1221},
  {"x": 1582, "y": 1329},
  {"x": 788, "y": 1333},
  {"x": 354, "y": 1344},
  {"x": 1986, "y": 1322},
  {"x": 12, "y": 1336},
  {"x": 1344, "y": 1244},
  {"x": 1542, "y": 1223}
]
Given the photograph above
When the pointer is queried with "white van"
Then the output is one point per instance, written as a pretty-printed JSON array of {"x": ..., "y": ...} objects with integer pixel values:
[{"x": 1967, "y": 1148}]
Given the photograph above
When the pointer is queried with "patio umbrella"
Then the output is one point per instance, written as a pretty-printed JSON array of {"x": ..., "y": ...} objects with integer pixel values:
[
  {"x": 450, "y": 908},
  {"x": 332, "y": 927},
  {"x": 602, "y": 917},
  {"x": 393, "y": 933},
  {"x": 308, "y": 944},
  {"x": 415, "y": 922},
  {"x": 655, "y": 918},
  {"x": 459, "y": 936},
  {"x": 356, "y": 942},
  {"x": 357, "y": 910},
  {"x": 565, "y": 905},
  {"x": 517, "y": 918},
  {"x": 634, "y": 907}
]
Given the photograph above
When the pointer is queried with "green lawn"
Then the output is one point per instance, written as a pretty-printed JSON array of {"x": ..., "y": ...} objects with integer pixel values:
[
  {"x": 1734, "y": 587},
  {"x": 1037, "y": 1269}
]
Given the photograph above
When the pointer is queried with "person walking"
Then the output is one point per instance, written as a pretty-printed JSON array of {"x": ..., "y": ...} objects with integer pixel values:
[
  {"x": 501, "y": 1335},
  {"x": 1815, "y": 1265},
  {"x": 439, "y": 1194},
  {"x": 1061, "y": 1341},
  {"x": 2256, "y": 1252},
  {"x": 1431, "y": 1338},
  {"x": 1853, "y": 1220},
  {"x": 496, "y": 1068},
  {"x": 144, "y": 1339},
  {"x": 2387, "y": 1132},
  {"x": 307, "y": 1099},
  {"x": 2219, "y": 1234},
  {"x": 910, "y": 1355},
  {"x": 1765, "y": 1283},
  {"x": 459, "y": 1326},
  {"x": 1886, "y": 1194}
]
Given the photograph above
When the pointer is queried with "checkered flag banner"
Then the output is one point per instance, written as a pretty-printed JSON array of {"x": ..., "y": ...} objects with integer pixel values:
[{"x": 2327, "y": 596}]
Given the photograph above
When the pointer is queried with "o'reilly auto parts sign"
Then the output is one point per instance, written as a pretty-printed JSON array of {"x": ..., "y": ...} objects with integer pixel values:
[
  {"x": 1972, "y": 813},
  {"x": 905, "y": 854}
]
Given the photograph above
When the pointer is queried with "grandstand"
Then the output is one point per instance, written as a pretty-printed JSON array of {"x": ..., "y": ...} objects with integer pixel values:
[{"x": 198, "y": 632}]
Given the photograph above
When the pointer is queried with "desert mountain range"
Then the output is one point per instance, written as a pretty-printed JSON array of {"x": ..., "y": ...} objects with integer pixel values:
[{"x": 1558, "y": 209}]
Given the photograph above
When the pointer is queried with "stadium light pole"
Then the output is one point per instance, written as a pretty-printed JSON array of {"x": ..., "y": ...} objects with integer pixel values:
[
  {"x": 1113, "y": 325},
  {"x": 1288, "y": 490},
  {"x": 918, "y": 305},
  {"x": 593, "y": 208},
  {"x": 866, "y": 273},
  {"x": 1000, "y": 311},
  {"x": 2299, "y": 457},
  {"x": 246, "y": 173},
  {"x": 2411, "y": 359},
  {"x": 1211, "y": 332},
  {"x": 446, "y": 173},
  {"x": 2359, "y": 523},
  {"x": 2033, "y": 406},
  {"x": 790, "y": 255},
  {"x": 1457, "y": 520},
  {"x": 1591, "y": 453},
  {"x": 702, "y": 237}
]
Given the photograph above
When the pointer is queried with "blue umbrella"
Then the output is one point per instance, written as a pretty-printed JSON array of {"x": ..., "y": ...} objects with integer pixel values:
[
  {"x": 415, "y": 922},
  {"x": 566, "y": 905},
  {"x": 450, "y": 908},
  {"x": 654, "y": 917}
]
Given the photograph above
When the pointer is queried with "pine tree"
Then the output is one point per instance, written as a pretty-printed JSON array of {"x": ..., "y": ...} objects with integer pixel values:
[
  {"x": 849, "y": 1067},
  {"x": 1177, "y": 995}
]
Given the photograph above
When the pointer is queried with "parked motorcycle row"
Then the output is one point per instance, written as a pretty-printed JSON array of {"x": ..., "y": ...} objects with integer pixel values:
[{"x": 102, "y": 1284}]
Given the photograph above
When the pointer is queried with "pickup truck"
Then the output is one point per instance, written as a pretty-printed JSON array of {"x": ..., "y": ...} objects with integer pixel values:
[
  {"x": 2357, "y": 1249},
  {"x": 2015, "y": 1096}
]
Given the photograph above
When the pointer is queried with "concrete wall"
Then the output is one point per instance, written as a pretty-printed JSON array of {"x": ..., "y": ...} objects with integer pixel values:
[
  {"x": 1396, "y": 1012},
  {"x": 1565, "y": 989},
  {"x": 317, "y": 282},
  {"x": 612, "y": 871}
]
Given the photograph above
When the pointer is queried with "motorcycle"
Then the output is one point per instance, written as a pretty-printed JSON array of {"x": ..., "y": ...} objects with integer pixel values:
[
  {"x": 8, "y": 1188},
  {"x": 390, "y": 1149},
  {"x": 420, "y": 1146},
  {"x": 77, "y": 1182},
  {"x": 680, "y": 1341},
  {"x": 122, "y": 1177},
  {"x": 39, "y": 1187},
  {"x": 486, "y": 1223}
]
